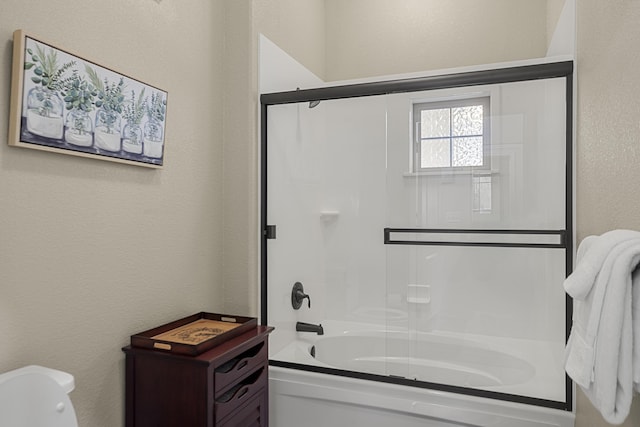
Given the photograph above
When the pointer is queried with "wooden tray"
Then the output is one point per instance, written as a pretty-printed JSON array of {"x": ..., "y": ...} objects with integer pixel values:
[{"x": 195, "y": 334}]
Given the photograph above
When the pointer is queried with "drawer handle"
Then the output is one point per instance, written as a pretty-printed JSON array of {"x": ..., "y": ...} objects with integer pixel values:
[
  {"x": 237, "y": 363},
  {"x": 242, "y": 392},
  {"x": 237, "y": 392},
  {"x": 162, "y": 346}
]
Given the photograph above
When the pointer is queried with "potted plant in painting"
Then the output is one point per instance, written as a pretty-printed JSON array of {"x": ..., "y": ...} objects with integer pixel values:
[
  {"x": 44, "y": 115},
  {"x": 110, "y": 104},
  {"x": 153, "y": 128},
  {"x": 78, "y": 97},
  {"x": 132, "y": 132}
]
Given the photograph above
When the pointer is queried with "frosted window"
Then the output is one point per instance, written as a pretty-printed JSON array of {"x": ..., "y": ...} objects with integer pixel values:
[
  {"x": 436, "y": 123},
  {"x": 436, "y": 153},
  {"x": 467, "y": 151},
  {"x": 467, "y": 120},
  {"x": 452, "y": 134}
]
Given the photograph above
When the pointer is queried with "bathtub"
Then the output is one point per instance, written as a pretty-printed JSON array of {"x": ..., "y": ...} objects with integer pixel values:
[{"x": 312, "y": 398}]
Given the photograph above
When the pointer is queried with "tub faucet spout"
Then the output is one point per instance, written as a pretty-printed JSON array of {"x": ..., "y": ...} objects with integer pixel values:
[{"x": 308, "y": 327}]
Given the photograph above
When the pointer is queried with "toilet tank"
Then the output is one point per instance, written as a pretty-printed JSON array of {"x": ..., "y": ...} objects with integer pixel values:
[{"x": 35, "y": 396}]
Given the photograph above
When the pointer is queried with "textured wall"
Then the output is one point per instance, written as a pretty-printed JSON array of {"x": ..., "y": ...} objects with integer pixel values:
[
  {"x": 299, "y": 26},
  {"x": 240, "y": 166},
  {"x": 378, "y": 37},
  {"x": 93, "y": 251},
  {"x": 608, "y": 146}
]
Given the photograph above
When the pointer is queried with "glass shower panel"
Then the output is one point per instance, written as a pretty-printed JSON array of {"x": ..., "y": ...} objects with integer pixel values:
[
  {"x": 522, "y": 188},
  {"x": 437, "y": 266},
  {"x": 327, "y": 199},
  {"x": 476, "y": 256},
  {"x": 485, "y": 318}
]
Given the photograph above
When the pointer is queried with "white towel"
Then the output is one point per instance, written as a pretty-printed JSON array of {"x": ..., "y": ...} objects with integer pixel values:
[{"x": 602, "y": 356}]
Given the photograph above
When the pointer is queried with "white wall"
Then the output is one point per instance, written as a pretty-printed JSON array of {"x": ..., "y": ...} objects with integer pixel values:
[
  {"x": 554, "y": 10},
  {"x": 608, "y": 152},
  {"x": 94, "y": 251},
  {"x": 561, "y": 27},
  {"x": 278, "y": 71},
  {"x": 378, "y": 37}
]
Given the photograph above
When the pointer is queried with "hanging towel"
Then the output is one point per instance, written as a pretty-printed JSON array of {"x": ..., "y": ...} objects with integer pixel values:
[{"x": 602, "y": 356}]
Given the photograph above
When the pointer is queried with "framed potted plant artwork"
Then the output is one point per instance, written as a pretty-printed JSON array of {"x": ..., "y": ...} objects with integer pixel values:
[{"x": 63, "y": 103}]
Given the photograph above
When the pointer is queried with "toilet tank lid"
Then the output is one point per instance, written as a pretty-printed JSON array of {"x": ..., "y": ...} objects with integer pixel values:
[{"x": 64, "y": 379}]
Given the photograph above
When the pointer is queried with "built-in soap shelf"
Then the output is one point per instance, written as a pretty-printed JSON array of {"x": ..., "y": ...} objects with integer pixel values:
[
  {"x": 419, "y": 294},
  {"x": 329, "y": 216}
]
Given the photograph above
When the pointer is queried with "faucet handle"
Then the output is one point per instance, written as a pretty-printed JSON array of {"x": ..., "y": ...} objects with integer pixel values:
[{"x": 298, "y": 295}]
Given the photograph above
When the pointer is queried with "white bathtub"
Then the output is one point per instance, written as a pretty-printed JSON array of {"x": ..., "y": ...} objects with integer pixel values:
[
  {"x": 310, "y": 399},
  {"x": 441, "y": 359}
]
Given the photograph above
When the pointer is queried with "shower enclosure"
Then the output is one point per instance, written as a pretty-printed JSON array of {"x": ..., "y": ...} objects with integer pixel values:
[{"x": 429, "y": 222}]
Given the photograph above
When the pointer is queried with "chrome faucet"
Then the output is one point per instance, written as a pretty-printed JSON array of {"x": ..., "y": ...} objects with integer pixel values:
[{"x": 308, "y": 327}]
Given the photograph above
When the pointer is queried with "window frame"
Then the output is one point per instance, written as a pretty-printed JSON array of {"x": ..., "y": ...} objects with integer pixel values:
[{"x": 419, "y": 106}]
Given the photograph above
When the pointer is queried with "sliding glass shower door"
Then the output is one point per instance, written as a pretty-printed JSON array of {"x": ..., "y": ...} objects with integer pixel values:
[
  {"x": 327, "y": 200},
  {"x": 476, "y": 237},
  {"x": 429, "y": 225}
]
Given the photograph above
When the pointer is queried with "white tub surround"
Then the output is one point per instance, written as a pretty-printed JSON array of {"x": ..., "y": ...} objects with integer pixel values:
[{"x": 317, "y": 400}]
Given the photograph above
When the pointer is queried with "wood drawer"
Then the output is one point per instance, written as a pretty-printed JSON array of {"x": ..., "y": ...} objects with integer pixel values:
[
  {"x": 233, "y": 370},
  {"x": 253, "y": 413},
  {"x": 241, "y": 393}
]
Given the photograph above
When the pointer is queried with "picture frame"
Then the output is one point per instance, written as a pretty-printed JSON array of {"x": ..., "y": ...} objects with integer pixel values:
[{"x": 63, "y": 103}]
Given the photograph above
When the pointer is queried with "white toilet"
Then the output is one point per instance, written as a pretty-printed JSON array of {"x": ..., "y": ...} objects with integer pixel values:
[{"x": 35, "y": 396}]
